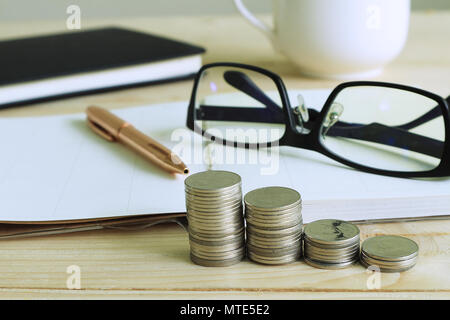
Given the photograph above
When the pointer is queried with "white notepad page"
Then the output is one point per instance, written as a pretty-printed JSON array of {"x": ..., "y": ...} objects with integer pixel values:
[{"x": 55, "y": 168}]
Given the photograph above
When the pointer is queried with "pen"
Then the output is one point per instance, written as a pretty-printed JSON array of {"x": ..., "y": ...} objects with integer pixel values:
[{"x": 112, "y": 128}]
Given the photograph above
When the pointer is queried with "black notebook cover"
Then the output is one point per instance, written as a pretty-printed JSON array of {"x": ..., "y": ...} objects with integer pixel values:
[{"x": 37, "y": 58}]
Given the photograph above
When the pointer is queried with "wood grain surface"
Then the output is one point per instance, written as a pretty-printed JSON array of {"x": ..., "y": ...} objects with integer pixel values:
[{"x": 154, "y": 263}]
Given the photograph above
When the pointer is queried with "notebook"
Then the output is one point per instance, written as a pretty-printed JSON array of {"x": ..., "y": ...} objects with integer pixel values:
[
  {"x": 54, "y": 170},
  {"x": 73, "y": 63}
]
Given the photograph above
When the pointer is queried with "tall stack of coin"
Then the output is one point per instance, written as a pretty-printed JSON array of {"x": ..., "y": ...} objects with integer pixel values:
[
  {"x": 274, "y": 225},
  {"x": 215, "y": 218},
  {"x": 389, "y": 253},
  {"x": 331, "y": 244}
]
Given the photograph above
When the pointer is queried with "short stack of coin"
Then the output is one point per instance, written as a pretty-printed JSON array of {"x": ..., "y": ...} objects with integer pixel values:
[
  {"x": 215, "y": 218},
  {"x": 274, "y": 225},
  {"x": 389, "y": 253},
  {"x": 331, "y": 244}
]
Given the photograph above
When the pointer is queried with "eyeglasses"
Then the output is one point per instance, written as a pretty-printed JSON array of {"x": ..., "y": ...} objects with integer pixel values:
[{"x": 377, "y": 127}]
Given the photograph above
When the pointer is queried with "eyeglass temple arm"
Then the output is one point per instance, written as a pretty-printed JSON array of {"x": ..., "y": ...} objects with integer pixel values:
[
  {"x": 240, "y": 114},
  {"x": 430, "y": 115},
  {"x": 243, "y": 83},
  {"x": 390, "y": 136},
  {"x": 374, "y": 132}
]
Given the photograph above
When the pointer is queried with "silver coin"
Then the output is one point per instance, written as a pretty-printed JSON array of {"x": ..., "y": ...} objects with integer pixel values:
[
  {"x": 331, "y": 253},
  {"x": 214, "y": 192},
  {"x": 332, "y": 250},
  {"x": 213, "y": 204},
  {"x": 274, "y": 232},
  {"x": 215, "y": 234},
  {"x": 274, "y": 252},
  {"x": 212, "y": 181},
  {"x": 390, "y": 267},
  {"x": 272, "y": 218},
  {"x": 331, "y": 232},
  {"x": 275, "y": 261},
  {"x": 330, "y": 246},
  {"x": 388, "y": 264},
  {"x": 218, "y": 195},
  {"x": 218, "y": 236},
  {"x": 272, "y": 199},
  {"x": 281, "y": 220},
  {"x": 276, "y": 214},
  {"x": 274, "y": 238},
  {"x": 261, "y": 229},
  {"x": 222, "y": 248},
  {"x": 219, "y": 256},
  {"x": 219, "y": 233},
  {"x": 224, "y": 255},
  {"x": 390, "y": 248},
  {"x": 218, "y": 199},
  {"x": 329, "y": 266},
  {"x": 219, "y": 230},
  {"x": 387, "y": 270},
  {"x": 214, "y": 217},
  {"x": 238, "y": 238},
  {"x": 225, "y": 213},
  {"x": 215, "y": 221},
  {"x": 274, "y": 244},
  {"x": 275, "y": 224},
  {"x": 217, "y": 207},
  {"x": 331, "y": 259},
  {"x": 209, "y": 263}
]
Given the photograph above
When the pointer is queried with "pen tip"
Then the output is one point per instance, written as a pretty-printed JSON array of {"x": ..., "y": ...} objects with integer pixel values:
[{"x": 186, "y": 171}]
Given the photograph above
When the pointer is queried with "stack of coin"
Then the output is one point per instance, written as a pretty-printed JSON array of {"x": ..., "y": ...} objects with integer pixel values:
[
  {"x": 331, "y": 244},
  {"x": 215, "y": 218},
  {"x": 274, "y": 225},
  {"x": 389, "y": 253}
]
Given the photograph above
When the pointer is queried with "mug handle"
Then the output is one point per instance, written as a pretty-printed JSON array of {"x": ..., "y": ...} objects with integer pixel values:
[{"x": 258, "y": 24}]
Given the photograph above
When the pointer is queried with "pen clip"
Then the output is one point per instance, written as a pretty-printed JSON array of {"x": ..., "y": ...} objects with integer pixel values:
[{"x": 100, "y": 131}]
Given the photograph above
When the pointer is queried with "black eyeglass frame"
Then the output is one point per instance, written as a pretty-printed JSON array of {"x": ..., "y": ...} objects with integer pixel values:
[{"x": 311, "y": 140}]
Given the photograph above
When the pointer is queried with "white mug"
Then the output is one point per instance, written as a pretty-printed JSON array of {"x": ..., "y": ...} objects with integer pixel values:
[{"x": 338, "y": 39}]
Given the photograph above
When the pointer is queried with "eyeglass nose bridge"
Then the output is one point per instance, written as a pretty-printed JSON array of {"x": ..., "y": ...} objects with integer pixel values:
[
  {"x": 302, "y": 114},
  {"x": 332, "y": 117}
]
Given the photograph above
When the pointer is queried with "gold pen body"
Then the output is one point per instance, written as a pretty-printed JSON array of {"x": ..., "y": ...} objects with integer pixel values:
[{"x": 112, "y": 128}]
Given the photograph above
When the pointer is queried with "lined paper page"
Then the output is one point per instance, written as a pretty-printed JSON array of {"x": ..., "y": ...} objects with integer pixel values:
[{"x": 56, "y": 168}]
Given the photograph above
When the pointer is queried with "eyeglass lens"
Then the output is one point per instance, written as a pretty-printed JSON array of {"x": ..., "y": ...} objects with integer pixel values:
[
  {"x": 239, "y": 105},
  {"x": 385, "y": 128}
]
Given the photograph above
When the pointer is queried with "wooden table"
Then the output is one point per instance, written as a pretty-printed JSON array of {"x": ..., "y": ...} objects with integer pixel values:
[{"x": 155, "y": 263}]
